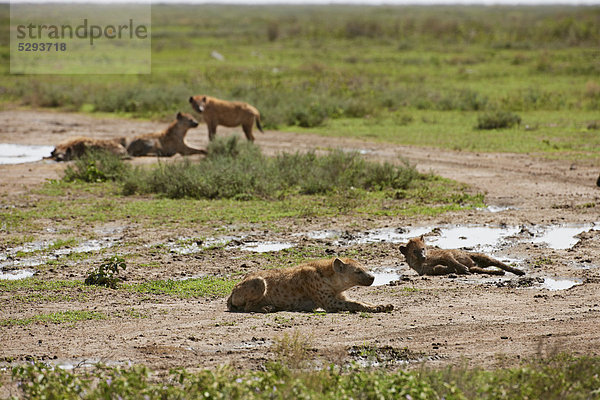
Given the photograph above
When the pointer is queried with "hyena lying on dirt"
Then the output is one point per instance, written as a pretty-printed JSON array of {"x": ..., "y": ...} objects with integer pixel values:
[
  {"x": 305, "y": 287},
  {"x": 441, "y": 262},
  {"x": 78, "y": 146},
  {"x": 227, "y": 113},
  {"x": 166, "y": 143}
]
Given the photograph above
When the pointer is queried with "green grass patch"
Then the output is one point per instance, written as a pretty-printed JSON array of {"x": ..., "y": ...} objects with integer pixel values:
[
  {"x": 201, "y": 287},
  {"x": 72, "y": 205},
  {"x": 237, "y": 170},
  {"x": 237, "y": 184},
  {"x": 34, "y": 290},
  {"x": 560, "y": 377},
  {"x": 38, "y": 285},
  {"x": 542, "y": 132},
  {"x": 60, "y": 317},
  {"x": 96, "y": 166}
]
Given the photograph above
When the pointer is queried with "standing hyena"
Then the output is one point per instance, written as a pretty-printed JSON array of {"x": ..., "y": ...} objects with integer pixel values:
[
  {"x": 305, "y": 287},
  {"x": 227, "y": 113}
]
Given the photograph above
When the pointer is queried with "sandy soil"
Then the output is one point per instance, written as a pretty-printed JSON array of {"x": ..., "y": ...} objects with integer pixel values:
[{"x": 477, "y": 320}]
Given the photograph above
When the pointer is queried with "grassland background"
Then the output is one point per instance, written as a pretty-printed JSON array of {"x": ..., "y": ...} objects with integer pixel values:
[
  {"x": 405, "y": 74},
  {"x": 414, "y": 75}
]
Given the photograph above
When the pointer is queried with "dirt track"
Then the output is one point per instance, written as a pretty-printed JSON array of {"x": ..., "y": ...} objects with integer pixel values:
[{"x": 439, "y": 319}]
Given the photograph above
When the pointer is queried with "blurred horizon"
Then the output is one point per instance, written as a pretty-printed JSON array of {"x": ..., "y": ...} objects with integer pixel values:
[{"x": 335, "y": 2}]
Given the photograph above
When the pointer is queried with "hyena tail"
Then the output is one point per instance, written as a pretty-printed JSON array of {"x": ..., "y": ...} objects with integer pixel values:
[
  {"x": 230, "y": 306},
  {"x": 258, "y": 125}
]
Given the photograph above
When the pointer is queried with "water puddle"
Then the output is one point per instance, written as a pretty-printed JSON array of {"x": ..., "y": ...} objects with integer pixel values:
[
  {"x": 561, "y": 237},
  {"x": 481, "y": 238},
  {"x": 497, "y": 209},
  {"x": 191, "y": 245},
  {"x": 20, "y": 256},
  {"x": 325, "y": 234},
  {"x": 554, "y": 284},
  {"x": 17, "y": 274},
  {"x": 20, "y": 153},
  {"x": 472, "y": 237},
  {"x": 369, "y": 356},
  {"x": 265, "y": 247},
  {"x": 87, "y": 246},
  {"x": 253, "y": 344},
  {"x": 385, "y": 276},
  {"x": 70, "y": 365},
  {"x": 30, "y": 247}
]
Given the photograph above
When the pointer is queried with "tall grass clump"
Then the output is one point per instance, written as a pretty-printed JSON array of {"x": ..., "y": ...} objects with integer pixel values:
[
  {"x": 498, "y": 120},
  {"x": 240, "y": 171},
  {"x": 97, "y": 166}
]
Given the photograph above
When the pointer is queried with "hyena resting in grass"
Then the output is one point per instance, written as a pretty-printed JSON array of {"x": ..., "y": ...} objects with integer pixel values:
[{"x": 166, "y": 143}]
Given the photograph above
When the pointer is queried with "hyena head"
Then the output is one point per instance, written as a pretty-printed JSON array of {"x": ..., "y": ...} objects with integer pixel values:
[
  {"x": 352, "y": 273},
  {"x": 415, "y": 250},
  {"x": 198, "y": 103},
  {"x": 186, "y": 121}
]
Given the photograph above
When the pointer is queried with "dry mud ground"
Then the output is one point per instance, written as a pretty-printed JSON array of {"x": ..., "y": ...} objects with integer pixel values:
[{"x": 477, "y": 320}]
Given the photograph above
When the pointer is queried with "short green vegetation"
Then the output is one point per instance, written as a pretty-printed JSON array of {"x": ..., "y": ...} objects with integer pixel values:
[
  {"x": 561, "y": 377},
  {"x": 107, "y": 273},
  {"x": 96, "y": 166},
  {"x": 237, "y": 183},
  {"x": 235, "y": 170},
  {"x": 60, "y": 317}
]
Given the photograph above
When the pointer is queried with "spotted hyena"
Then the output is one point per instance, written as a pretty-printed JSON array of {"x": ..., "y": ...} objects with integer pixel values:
[
  {"x": 305, "y": 287},
  {"x": 217, "y": 112},
  {"x": 167, "y": 143},
  {"x": 441, "y": 262}
]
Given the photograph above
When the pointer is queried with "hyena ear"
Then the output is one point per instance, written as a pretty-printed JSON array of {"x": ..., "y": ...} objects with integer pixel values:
[
  {"x": 403, "y": 250},
  {"x": 422, "y": 238},
  {"x": 204, "y": 99},
  {"x": 191, "y": 100},
  {"x": 338, "y": 265},
  {"x": 179, "y": 115}
]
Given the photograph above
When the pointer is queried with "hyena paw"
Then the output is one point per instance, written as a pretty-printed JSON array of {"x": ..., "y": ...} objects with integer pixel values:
[{"x": 384, "y": 308}]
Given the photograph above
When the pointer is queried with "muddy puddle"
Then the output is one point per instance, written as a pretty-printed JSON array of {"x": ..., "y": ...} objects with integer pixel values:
[
  {"x": 367, "y": 356},
  {"x": 16, "y": 274},
  {"x": 471, "y": 237},
  {"x": 560, "y": 237},
  {"x": 20, "y": 153},
  {"x": 385, "y": 276},
  {"x": 482, "y": 238},
  {"x": 265, "y": 247},
  {"x": 185, "y": 245},
  {"x": 15, "y": 263},
  {"x": 497, "y": 209},
  {"x": 554, "y": 284},
  {"x": 87, "y": 246}
]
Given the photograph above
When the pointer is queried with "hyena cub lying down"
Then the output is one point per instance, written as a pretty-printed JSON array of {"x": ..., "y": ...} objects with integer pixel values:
[
  {"x": 442, "y": 262},
  {"x": 78, "y": 146},
  {"x": 305, "y": 287}
]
